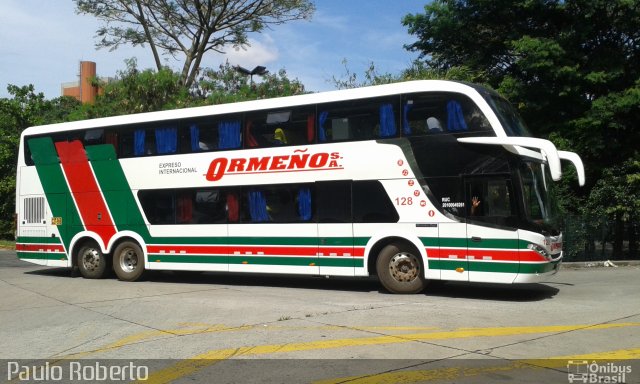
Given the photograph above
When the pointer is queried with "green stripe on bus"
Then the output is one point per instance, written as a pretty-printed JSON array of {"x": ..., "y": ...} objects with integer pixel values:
[
  {"x": 116, "y": 190},
  {"x": 41, "y": 255},
  {"x": 460, "y": 242},
  {"x": 453, "y": 242},
  {"x": 38, "y": 240},
  {"x": 55, "y": 186},
  {"x": 430, "y": 241}
]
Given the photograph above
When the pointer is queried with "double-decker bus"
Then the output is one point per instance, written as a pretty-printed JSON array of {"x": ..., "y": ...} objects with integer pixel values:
[{"x": 412, "y": 182}]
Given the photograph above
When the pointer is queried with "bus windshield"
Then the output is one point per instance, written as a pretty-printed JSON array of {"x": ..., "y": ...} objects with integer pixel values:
[
  {"x": 508, "y": 116},
  {"x": 538, "y": 194}
]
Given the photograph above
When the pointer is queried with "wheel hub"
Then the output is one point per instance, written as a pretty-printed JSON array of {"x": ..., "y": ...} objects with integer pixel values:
[
  {"x": 91, "y": 260},
  {"x": 129, "y": 260},
  {"x": 404, "y": 267}
]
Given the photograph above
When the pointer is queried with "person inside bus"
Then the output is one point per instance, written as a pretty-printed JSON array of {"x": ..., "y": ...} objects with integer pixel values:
[
  {"x": 433, "y": 125},
  {"x": 279, "y": 137},
  {"x": 475, "y": 206}
]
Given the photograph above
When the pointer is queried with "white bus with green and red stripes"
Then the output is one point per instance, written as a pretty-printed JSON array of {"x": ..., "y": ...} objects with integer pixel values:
[{"x": 412, "y": 182}]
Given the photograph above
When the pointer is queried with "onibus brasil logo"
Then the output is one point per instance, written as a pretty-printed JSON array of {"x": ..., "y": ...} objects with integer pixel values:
[{"x": 583, "y": 371}]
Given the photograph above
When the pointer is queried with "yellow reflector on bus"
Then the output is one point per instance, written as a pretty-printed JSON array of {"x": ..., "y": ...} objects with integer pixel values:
[{"x": 459, "y": 269}]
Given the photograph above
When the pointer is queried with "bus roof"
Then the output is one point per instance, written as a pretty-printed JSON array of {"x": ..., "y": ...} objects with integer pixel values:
[{"x": 263, "y": 104}]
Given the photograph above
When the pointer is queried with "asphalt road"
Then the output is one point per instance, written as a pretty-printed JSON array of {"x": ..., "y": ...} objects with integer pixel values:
[{"x": 581, "y": 324}]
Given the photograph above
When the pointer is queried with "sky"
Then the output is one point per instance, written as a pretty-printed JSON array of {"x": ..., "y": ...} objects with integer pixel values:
[{"x": 43, "y": 41}]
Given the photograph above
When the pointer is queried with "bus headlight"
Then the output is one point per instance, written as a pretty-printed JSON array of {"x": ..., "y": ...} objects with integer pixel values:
[{"x": 540, "y": 250}]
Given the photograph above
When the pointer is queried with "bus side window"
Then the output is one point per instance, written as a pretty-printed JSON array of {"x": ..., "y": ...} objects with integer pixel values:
[
  {"x": 166, "y": 140},
  {"x": 365, "y": 119},
  {"x": 493, "y": 201},
  {"x": 229, "y": 134},
  {"x": 198, "y": 136},
  {"x": 285, "y": 203},
  {"x": 158, "y": 206},
  {"x": 333, "y": 201},
  {"x": 274, "y": 128},
  {"x": 371, "y": 203}
]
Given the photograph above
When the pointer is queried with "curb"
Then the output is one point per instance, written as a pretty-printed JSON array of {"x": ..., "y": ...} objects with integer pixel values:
[{"x": 601, "y": 264}]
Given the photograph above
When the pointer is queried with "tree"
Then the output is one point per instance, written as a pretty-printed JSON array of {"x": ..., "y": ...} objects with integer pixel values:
[
  {"x": 571, "y": 67},
  {"x": 188, "y": 28},
  {"x": 26, "y": 108},
  {"x": 227, "y": 85},
  {"x": 136, "y": 91},
  {"x": 616, "y": 196}
]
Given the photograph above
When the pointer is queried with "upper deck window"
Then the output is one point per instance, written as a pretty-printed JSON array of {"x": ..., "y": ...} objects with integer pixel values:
[
  {"x": 367, "y": 119},
  {"x": 440, "y": 112},
  {"x": 292, "y": 126}
]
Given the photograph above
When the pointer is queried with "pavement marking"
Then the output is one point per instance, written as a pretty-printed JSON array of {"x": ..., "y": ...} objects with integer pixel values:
[
  {"x": 201, "y": 361},
  {"x": 458, "y": 373},
  {"x": 187, "y": 329}
]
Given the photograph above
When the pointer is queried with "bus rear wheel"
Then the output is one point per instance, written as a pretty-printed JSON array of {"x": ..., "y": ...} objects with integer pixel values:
[
  {"x": 400, "y": 270},
  {"x": 128, "y": 261},
  {"x": 92, "y": 263}
]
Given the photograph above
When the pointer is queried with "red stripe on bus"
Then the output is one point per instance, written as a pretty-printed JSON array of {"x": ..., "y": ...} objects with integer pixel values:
[
  {"x": 39, "y": 247},
  {"x": 254, "y": 250},
  {"x": 340, "y": 251},
  {"x": 189, "y": 249},
  {"x": 85, "y": 189},
  {"x": 485, "y": 254}
]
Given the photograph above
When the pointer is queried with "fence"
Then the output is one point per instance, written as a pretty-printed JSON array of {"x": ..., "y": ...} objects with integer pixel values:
[{"x": 597, "y": 238}]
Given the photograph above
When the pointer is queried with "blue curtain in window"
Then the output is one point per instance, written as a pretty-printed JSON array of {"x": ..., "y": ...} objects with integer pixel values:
[
  {"x": 167, "y": 140},
  {"x": 258, "y": 207},
  {"x": 304, "y": 204},
  {"x": 387, "y": 121},
  {"x": 195, "y": 137},
  {"x": 322, "y": 118},
  {"x": 229, "y": 134},
  {"x": 138, "y": 142},
  {"x": 406, "y": 128},
  {"x": 455, "y": 118}
]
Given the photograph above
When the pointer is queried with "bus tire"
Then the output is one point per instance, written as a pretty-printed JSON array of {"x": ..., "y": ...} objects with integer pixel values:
[
  {"x": 92, "y": 263},
  {"x": 400, "y": 270},
  {"x": 128, "y": 261}
]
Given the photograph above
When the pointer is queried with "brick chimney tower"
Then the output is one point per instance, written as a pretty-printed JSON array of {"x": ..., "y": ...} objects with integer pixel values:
[{"x": 83, "y": 90}]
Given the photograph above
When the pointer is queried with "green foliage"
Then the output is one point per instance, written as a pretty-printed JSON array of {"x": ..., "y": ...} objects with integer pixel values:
[
  {"x": 136, "y": 91},
  {"x": 25, "y": 108},
  {"x": 571, "y": 67},
  {"x": 227, "y": 85},
  {"x": 617, "y": 194},
  {"x": 418, "y": 70}
]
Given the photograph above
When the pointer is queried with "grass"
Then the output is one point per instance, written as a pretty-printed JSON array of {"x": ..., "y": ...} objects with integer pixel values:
[{"x": 7, "y": 244}]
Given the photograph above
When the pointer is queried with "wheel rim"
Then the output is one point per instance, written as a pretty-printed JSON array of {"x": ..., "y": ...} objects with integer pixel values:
[
  {"x": 128, "y": 260},
  {"x": 91, "y": 259},
  {"x": 404, "y": 267}
]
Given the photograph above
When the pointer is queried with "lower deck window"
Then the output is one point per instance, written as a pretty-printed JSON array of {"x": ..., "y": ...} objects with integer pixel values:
[{"x": 323, "y": 202}]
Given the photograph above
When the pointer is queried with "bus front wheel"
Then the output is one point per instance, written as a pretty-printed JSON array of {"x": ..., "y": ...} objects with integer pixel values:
[
  {"x": 128, "y": 261},
  {"x": 92, "y": 263},
  {"x": 400, "y": 270}
]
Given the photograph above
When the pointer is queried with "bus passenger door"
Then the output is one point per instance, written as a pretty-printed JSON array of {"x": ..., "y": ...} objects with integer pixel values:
[
  {"x": 452, "y": 261},
  {"x": 492, "y": 236},
  {"x": 335, "y": 231}
]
